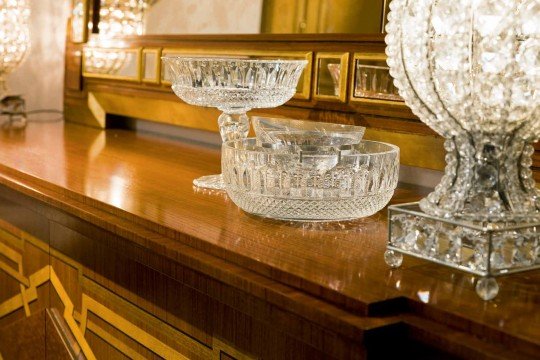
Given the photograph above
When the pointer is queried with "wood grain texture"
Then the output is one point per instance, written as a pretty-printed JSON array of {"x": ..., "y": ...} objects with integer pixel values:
[
  {"x": 36, "y": 337},
  {"x": 131, "y": 194}
]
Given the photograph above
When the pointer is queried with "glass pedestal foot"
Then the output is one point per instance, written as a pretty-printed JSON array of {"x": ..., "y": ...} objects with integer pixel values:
[
  {"x": 487, "y": 288},
  {"x": 393, "y": 258},
  {"x": 210, "y": 182}
]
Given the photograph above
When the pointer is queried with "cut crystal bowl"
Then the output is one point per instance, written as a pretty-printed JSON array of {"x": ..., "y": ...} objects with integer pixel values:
[
  {"x": 311, "y": 183},
  {"x": 234, "y": 86},
  {"x": 292, "y": 132},
  {"x": 237, "y": 84}
]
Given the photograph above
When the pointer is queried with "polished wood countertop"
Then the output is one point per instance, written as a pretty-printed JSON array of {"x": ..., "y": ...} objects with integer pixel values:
[{"x": 139, "y": 186}]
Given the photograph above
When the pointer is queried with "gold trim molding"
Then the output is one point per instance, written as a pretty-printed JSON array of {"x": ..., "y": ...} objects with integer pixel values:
[{"x": 157, "y": 66}]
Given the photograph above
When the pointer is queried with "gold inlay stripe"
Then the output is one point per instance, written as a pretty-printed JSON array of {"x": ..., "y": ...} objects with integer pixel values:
[
  {"x": 11, "y": 239},
  {"x": 14, "y": 274},
  {"x": 16, "y": 302},
  {"x": 134, "y": 332},
  {"x": 114, "y": 342},
  {"x": 68, "y": 315}
]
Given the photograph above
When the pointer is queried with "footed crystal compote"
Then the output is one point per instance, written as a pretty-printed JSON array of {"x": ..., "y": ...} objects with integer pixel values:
[
  {"x": 470, "y": 69},
  {"x": 234, "y": 86}
]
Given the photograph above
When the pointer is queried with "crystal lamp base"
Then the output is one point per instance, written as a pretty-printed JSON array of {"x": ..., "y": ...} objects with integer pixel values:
[
  {"x": 485, "y": 249},
  {"x": 13, "y": 106},
  {"x": 210, "y": 182}
]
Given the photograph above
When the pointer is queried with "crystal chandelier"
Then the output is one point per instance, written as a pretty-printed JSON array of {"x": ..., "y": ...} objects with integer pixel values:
[
  {"x": 14, "y": 37},
  {"x": 121, "y": 17},
  {"x": 470, "y": 69},
  {"x": 117, "y": 18}
]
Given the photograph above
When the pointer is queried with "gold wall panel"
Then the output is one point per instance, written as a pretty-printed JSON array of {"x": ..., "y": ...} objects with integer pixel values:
[
  {"x": 164, "y": 111},
  {"x": 331, "y": 76},
  {"x": 426, "y": 151},
  {"x": 321, "y": 16}
]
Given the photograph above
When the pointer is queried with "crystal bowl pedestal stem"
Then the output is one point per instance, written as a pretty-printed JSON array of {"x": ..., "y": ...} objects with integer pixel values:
[{"x": 233, "y": 125}]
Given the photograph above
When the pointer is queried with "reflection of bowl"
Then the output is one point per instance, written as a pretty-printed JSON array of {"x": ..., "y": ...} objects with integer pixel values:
[
  {"x": 290, "y": 131},
  {"x": 375, "y": 82},
  {"x": 234, "y": 83},
  {"x": 335, "y": 72},
  {"x": 106, "y": 62},
  {"x": 353, "y": 183}
]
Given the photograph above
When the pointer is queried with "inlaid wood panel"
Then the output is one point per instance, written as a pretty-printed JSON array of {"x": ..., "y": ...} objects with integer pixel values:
[{"x": 90, "y": 317}]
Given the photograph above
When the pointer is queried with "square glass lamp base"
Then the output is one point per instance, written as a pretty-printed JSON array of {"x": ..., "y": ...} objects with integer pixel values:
[{"x": 484, "y": 249}]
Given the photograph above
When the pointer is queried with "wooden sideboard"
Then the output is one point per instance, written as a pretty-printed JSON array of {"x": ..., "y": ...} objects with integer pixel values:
[{"x": 108, "y": 252}]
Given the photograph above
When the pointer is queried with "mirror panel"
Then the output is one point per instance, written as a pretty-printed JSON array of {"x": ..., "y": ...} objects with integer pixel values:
[
  {"x": 372, "y": 80},
  {"x": 151, "y": 65},
  {"x": 331, "y": 71},
  {"x": 109, "y": 63},
  {"x": 304, "y": 84}
]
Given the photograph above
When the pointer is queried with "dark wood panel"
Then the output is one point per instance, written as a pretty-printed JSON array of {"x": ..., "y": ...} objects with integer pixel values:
[
  {"x": 18, "y": 214},
  {"x": 25, "y": 339}
]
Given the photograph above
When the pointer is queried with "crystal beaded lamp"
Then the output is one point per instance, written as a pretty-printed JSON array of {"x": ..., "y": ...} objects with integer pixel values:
[
  {"x": 14, "y": 37},
  {"x": 234, "y": 86},
  {"x": 470, "y": 69}
]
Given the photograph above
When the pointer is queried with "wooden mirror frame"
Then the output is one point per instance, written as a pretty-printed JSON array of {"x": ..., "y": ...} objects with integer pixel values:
[{"x": 90, "y": 100}]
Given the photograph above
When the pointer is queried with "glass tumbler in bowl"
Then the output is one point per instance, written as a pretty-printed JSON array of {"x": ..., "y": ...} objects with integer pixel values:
[
  {"x": 293, "y": 131},
  {"x": 234, "y": 86}
]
